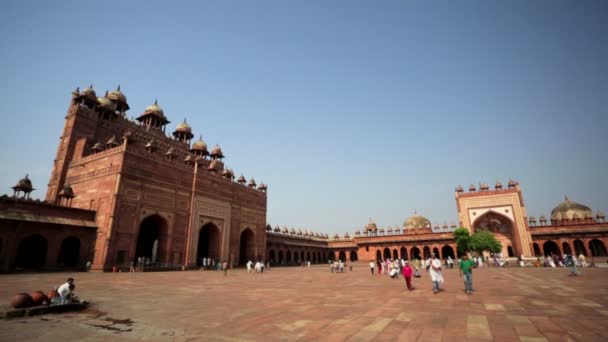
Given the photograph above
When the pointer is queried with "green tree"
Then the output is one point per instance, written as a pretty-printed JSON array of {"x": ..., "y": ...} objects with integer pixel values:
[
  {"x": 462, "y": 237},
  {"x": 484, "y": 241}
]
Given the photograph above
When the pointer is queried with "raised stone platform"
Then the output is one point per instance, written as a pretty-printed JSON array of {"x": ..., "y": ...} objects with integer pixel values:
[{"x": 509, "y": 304}]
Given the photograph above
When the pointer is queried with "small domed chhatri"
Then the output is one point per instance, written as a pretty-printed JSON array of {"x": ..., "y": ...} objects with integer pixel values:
[
  {"x": 199, "y": 147},
  {"x": 216, "y": 152},
  {"x": 183, "y": 132},
  {"x": 371, "y": 226},
  {"x": 567, "y": 209},
  {"x": 154, "y": 117},
  {"x": 119, "y": 99},
  {"x": 89, "y": 93},
  {"x": 154, "y": 109},
  {"x": 106, "y": 104},
  {"x": 23, "y": 185},
  {"x": 416, "y": 221}
]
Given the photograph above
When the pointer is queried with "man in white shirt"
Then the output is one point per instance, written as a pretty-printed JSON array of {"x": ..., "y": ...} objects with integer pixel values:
[
  {"x": 435, "y": 272},
  {"x": 372, "y": 265},
  {"x": 66, "y": 288},
  {"x": 249, "y": 264}
]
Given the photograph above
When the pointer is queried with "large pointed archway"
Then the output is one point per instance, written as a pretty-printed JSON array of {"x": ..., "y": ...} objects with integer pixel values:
[
  {"x": 31, "y": 252},
  {"x": 152, "y": 235},
  {"x": 501, "y": 227},
  {"x": 247, "y": 247},
  {"x": 208, "y": 243}
]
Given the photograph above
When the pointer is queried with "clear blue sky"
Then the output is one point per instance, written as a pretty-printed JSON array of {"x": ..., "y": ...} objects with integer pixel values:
[{"x": 346, "y": 109}]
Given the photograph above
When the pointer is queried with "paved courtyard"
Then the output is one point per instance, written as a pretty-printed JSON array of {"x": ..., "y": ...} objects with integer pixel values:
[{"x": 312, "y": 304}]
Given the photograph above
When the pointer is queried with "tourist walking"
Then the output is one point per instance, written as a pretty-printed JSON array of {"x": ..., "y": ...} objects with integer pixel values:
[
  {"x": 225, "y": 268},
  {"x": 249, "y": 264},
  {"x": 416, "y": 268},
  {"x": 435, "y": 271},
  {"x": 372, "y": 265},
  {"x": 571, "y": 262},
  {"x": 407, "y": 274},
  {"x": 466, "y": 272},
  {"x": 583, "y": 260},
  {"x": 450, "y": 262}
]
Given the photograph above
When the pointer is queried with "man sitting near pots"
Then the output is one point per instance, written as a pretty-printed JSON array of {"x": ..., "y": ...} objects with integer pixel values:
[{"x": 66, "y": 292}]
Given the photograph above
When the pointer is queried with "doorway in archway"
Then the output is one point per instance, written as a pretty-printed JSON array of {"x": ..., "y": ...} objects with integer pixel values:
[
  {"x": 288, "y": 259},
  {"x": 597, "y": 248},
  {"x": 447, "y": 251},
  {"x": 387, "y": 253},
  {"x": 69, "y": 252},
  {"x": 415, "y": 253},
  {"x": 550, "y": 248},
  {"x": 247, "y": 247},
  {"x": 426, "y": 251},
  {"x": 208, "y": 243},
  {"x": 536, "y": 248},
  {"x": 149, "y": 241},
  {"x": 31, "y": 252},
  {"x": 566, "y": 248},
  {"x": 353, "y": 256},
  {"x": 579, "y": 248}
]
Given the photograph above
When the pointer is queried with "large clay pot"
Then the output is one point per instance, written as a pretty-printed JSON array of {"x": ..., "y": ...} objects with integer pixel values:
[
  {"x": 38, "y": 297},
  {"x": 21, "y": 300},
  {"x": 52, "y": 294}
]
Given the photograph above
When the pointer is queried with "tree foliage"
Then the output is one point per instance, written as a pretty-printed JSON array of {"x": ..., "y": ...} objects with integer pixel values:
[
  {"x": 478, "y": 242},
  {"x": 462, "y": 237},
  {"x": 484, "y": 241}
]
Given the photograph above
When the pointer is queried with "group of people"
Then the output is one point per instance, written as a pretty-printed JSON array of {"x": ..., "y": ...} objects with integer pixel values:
[
  {"x": 258, "y": 266},
  {"x": 433, "y": 266},
  {"x": 337, "y": 266}
]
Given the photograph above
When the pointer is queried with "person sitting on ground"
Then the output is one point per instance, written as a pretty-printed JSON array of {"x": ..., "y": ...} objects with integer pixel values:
[{"x": 65, "y": 289}]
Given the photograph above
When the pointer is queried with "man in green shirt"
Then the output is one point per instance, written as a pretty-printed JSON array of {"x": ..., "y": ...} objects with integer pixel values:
[{"x": 466, "y": 271}]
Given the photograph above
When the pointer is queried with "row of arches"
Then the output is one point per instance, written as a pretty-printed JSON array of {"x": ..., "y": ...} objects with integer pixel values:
[
  {"x": 342, "y": 255},
  {"x": 297, "y": 256},
  {"x": 153, "y": 234},
  {"x": 595, "y": 247},
  {"x": 32, "y": 252},
  {"x": 415, "y": 253}
]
